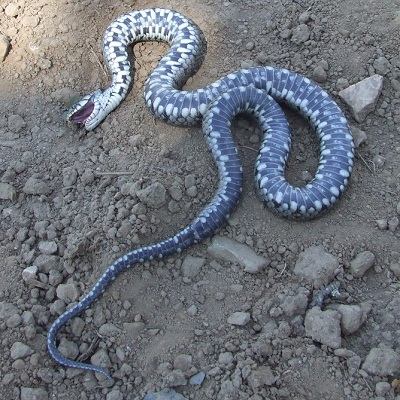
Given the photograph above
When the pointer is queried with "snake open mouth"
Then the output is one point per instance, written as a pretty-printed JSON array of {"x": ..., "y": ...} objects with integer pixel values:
[{"x": 83, "y": 114}]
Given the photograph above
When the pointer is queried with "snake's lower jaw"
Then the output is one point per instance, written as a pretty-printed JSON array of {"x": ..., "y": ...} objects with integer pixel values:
[{"x": 81, "y": 115}]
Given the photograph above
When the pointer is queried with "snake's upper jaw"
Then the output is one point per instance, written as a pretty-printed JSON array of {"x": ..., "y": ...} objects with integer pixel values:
[{"x": 81, "y": 115}]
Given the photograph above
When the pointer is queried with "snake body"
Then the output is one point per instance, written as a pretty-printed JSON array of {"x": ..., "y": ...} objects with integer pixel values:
[{"x": 215, "y": 106}]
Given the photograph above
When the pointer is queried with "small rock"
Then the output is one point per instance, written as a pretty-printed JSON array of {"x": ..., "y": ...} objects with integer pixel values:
[
  {"x": 359, "y": 136},
  {"x": 47, "y": 247},
  {"x": 295, "y": 305},
  {"x": 133, "y": 327},
  {"x": 353, "y": 317},
  {"x": 44, "y": 63},
  {"x": 300, "y": 34},
  {"x": 191, "y": 266},
  {"x": 192, "y": 310},
  {"x": 16, "y": 123},
  {"x": 70, "y": 175},
  {"x": 382, "y": 361},
  {"x": 382, "y": 65},
  {"x": 153, "y": 196},
  {"x": 324, "y": 327},
  {"x": 37, "y": 393},
  {"x": 7, "y": 192},
  {"x": 11, "y": 10},
  {"x": 393, "y": 224},
  {"x": 398, "y": 208},
  {"x": 176, "y": 378},
  {"x": 239, "y": 318},
  {"x": 30, "y": 21},
  {"x": 362, "y": 96},
  {"x": 262, "y": 376},
  {"x": 36, "y": 187},
  {"x": 20, "y": 350},
  {"x": 319, "y": 74},
  {"x": 164, "y": 395},
  {"x": 101, "y": 358},
  {"x": 382, "y": 388},
  {"x": 395, "y": 268},
  {"x": 183, "y": 362},
  {"x": 29, "y": 273},
  {"x": 362, "y": 263},
  {"x": 250, "y": 46},
  {"x": 316, "y": 266},
  {"x": 4, "y": 47},
  {"x": 67, "y": 292},
  {"x": 115, "y": 394},
  {"x": 197, "y": 379},
  {"x": 68, "y": 349},
  {"x": 230, "y": 250},
  {"x": 7, "y": 310},
  {"x": 382, "y": 224},
  {"x": 87, "y": 177},
  {"x": 108, "y": 329}
]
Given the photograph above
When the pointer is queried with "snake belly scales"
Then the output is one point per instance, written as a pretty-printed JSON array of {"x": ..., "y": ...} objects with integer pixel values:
[{"x": 215, "y": 106}]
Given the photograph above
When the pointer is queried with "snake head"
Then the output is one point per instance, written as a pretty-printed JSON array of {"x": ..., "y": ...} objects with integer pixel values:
[{"x": 88, "y": 111}]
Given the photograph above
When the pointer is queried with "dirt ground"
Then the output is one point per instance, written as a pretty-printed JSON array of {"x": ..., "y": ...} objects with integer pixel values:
[{"x": 74, "y": 211}]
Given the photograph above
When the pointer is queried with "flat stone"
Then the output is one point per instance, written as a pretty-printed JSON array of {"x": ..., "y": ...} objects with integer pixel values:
[
  {"x": 324, "y": 327},
  {"x": 11, "y": 10},
  {"x": 362, "y": 263},
  {"x": 48, "y": 247},
  {"x": 36, "y": 187},
  {"x": 316, "y": 266},
  {"x": 108, "y": 329},
  {"x": 382, "y": 361},
  {"x": 30, "y": 393},
  {"x": 191, "y": 266},
  {"x": 20, "y": 350},
  {"x": 197, "y": 379},
  {"x": 353, "y": 317},
  {"x": 300, "y": 34},
  {"x": 153, "y": 196},
  {"x": 239, "y": 318},
  {"x": 67, "y": 292},
  {"x": 7, "y": 192},
  {"x": 363, "y": 96},
  {"x": 226, "y": 249},
  {"x": 169, "y": 394}
]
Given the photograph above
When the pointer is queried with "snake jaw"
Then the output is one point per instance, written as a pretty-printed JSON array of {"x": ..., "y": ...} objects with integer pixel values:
[{"x": 87, "y": 111}]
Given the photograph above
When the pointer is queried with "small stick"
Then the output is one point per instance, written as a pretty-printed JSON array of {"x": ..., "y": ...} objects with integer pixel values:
[{"x": 112, "y": 173}]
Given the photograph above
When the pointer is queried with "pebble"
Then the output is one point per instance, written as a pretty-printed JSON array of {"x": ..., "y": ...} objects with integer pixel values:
[
  {"x": 29, "y": 273},
  {"x": 382, "y": 361},
  {"x": 393, "y": 224},
  {"x": 295, "y": 304},
  {"x": 47, "y": 247},
  {"x": 176, "y": 378},
  {"x": 108, "y": 329},
  {"x": 226, "y": 249},
  {"x": 319, "y": 74},
  {"x": 362, "y": 263},
  {"x": 382, "y": 388},
  {"x": 7, "y": 192},
  {"x": 16, "y": 123},
  {"x": 363, "y": 96},
  {"x": 197, "y": 379},
  {"x": 36, "y": 393},
  {"x": 300, "y": 34},
  {"x": 239, "y": 318},
  {"x": 67, "y": 292},
  {"x": 11, "y": 10},
  {"x": 70, "y": 175},
  {"x": 4, "y": 47},
  {"x": 20, "y": 350},
  {"x": 353, "y": 317},
  {"x": 101, "y": 358},
  {"x": 262, "y": 376},
  {"x": 191, "y": 266},
  {"x": 359, "y": 136},
  {"x": 395, "y": 268},
  {"x": 382, "y": 224},
  {"x": 153, "y": 196},
  {"x": 36, "y": 186},
  {"x": 324, "y": 327},
  {"x": 169, "y": 394},
  {"x": 316, "y": 266},
  {"x": 183, "y": 362},
  {"x": 382, "y": 65},
  {"x": 7, "y": 310}
]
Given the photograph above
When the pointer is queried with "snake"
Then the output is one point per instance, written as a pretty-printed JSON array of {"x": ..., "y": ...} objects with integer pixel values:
[{"x": 256, "y": 91}]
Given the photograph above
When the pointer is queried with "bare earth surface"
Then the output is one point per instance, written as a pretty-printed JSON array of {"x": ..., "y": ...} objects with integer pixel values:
[{"x": 71, "y": 205}]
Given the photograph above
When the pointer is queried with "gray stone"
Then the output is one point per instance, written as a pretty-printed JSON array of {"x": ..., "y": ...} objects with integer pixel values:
[
  {"x": 395, "y": 268},
  {"x": 239, "y": 318},
  {"x": 359, "y": 136},
  {"x": 153, "y": 196},
  {"x": 70, "y": 175},
  {"x": 393, "y": 224},
  {"x": 362, "y": 263},
  {"x": 36, "y": 187},
  {"x": 353, "y": 317},
  {"x": 108, "y": 329},
  {"x": 382, "y": 388},
  {"x": 227, "y": 249},
  {"x": 382, "y": 224},
  {"x": 16, "y": 123},
  {"x": 20, "y": 350},
  {"x": 101, "y": 358},
  {"x": 183, "y": 362},
  {"x": 47, "y": 247},
  {"x": 300, "y": 34},
  {"x": 164, "y": 395},
  {"x": 11, "y": 10},
  {"x": 67, "y": 292},
  {"x": 295, "y": 305},
  {"x": 191, "y": 266},
  {"x": 7, "y": 192},
  {"x": 197, "y": 379},
  {"x": 68, "y": 349},
  {"x": 4, "y": 47},
  {"x": 363, "y": 96},
  {"x": 319, "y": 74},
  {"x": 262, "y": 376},
  {"x": 176, "y": 378},
  {"x": 382, "y": 65},
  {"x": 29, "y": 273},
  {"x": 382, "y": 361},
  {"x": 324, "y": 327},
  {"x": 37, "y": 393},
  {"x": 316, "y": 266}
]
